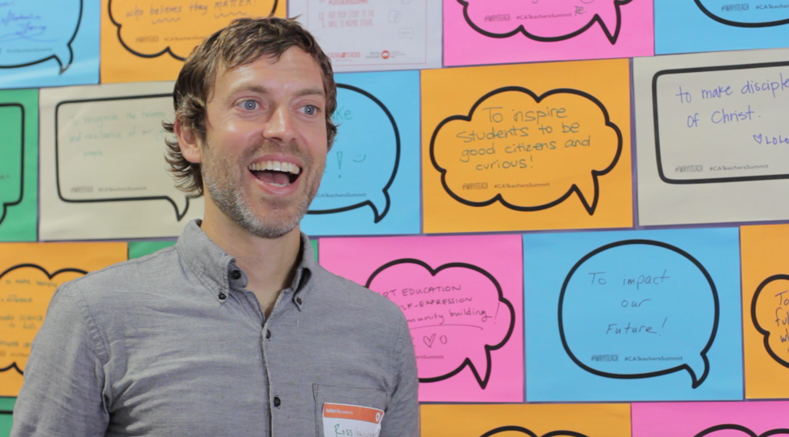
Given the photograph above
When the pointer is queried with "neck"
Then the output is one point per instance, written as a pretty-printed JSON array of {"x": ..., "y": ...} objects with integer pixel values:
[{"x": 269, "y": 263}]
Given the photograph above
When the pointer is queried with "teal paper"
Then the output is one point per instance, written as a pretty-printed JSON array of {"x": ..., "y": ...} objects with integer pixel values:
[
  {"x": 49, "y": 42},
  {"x": 371, "y": 182},
  {"x": 633, "y": 316}
]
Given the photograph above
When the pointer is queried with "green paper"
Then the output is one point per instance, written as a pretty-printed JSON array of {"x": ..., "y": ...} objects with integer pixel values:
[
  {"x": 18, "y": 165},
  {"x": 138, "y": 249}
]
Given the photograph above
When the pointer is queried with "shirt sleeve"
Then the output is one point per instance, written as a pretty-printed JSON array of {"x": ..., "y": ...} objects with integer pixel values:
[
  {"x": 402, "y": 416},
  {"x": 62, "y": 393}
]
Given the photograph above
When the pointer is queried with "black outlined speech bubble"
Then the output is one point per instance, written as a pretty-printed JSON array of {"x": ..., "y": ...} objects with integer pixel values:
[
  {"x": 151, "y": 28},
  {"x": 453, "y": 326},
  {"x": 25, "y": 293},
  {"x": 543, "y": 21},
  {"x": 739, "y": 431},
  {"x": 519, "y": 431},
  {"x": 363, "y": 162},
  {"x": 641, "y": 327},
  {"x": 527, "y": 152},
  {"x": 770, "y": 316},
  {"x": 721, "y": 124},
  {"x": 12, "y": 156},
  {"x": 32, "y": 32},
  {"x": 110, "y": 150},
  {"x": 748, "y": 14}
]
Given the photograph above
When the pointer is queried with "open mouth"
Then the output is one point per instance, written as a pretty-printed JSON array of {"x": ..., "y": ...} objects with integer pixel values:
[{"x": 275, "y": 173}]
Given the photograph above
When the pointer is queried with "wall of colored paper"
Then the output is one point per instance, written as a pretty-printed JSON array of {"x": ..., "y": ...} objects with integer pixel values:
[{"x": 577, "y": 204}]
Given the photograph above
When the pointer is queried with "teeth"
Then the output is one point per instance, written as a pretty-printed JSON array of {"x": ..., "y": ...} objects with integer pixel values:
[{"x": 286, "y": 167}]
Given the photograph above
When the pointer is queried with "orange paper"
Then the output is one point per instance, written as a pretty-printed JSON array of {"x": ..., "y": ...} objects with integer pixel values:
[
  {"x": 526, "y": 420},
  {"x": 765, "y": 310},
  {"x": 521, "y": 147},
  {"x": 148, "y": 40},
  {"x": 29, "y": 275}
]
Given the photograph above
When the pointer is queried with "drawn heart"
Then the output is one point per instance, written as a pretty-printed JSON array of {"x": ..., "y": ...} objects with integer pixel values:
[
  {"x": 429, "y": 340},
  {"x": 758, "y": 138}
]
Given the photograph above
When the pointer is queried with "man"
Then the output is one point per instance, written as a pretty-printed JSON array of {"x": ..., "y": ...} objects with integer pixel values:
[{"x": 235, "y": 331}]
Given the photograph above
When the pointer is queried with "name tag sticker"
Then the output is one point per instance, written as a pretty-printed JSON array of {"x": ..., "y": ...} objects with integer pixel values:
[{"x": 351, "y": 420}]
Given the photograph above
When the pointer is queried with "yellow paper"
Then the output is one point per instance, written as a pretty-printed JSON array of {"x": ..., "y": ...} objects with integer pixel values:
[
  {"x": 148, "y": 40},
  {"x": 590, "y": 420},
  {"x": 29, "y": 275},
  {"x": 765, "y": 268},
  {"x": 522, "y": 147}
]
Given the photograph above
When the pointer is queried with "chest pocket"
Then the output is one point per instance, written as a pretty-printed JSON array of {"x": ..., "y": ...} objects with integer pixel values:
[{"x": 362, "y": 397}]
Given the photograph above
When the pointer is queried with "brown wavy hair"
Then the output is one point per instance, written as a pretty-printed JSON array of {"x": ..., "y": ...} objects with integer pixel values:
[{"x": 242, "y": 42}]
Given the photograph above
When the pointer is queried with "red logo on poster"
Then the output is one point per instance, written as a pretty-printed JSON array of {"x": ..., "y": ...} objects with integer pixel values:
[{"x": 385, "y": 54}]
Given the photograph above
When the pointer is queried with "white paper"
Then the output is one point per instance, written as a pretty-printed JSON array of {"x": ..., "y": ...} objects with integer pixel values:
[
  {"x": 712, "y": 137},
  {"x": 103, "y": 173},
  {"x": 366, "y": 35}
]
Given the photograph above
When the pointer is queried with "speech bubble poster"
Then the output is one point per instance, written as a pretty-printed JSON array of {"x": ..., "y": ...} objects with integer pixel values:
[
  {"x": 18, "y": 165},
  {"x": 534, "y": 420},
  {"x": 103, "y": 173},
  {"x": 765, "y": 304},
  {"x": 532, "y": 146},
  {"x": 49, "y": 43},
  {"x": 29, "y": 275},
  {"x": 711, "y": 135},
  {"x": 6, "y": 412},
  {"x": 462, "y": 297},
  {"x": 511, "y": 31},
  {"x": 710, "y": 419},
  {"x": 149, "y": 40},
  {"x": 633, "y": 316},
  {"x": 686, "y": 26},
  {"x": 379, "y": 35},
  {"x": 371, "y": 181}
]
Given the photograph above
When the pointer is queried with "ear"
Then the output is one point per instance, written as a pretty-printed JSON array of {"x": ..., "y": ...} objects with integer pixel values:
[{"x": 188, "y": 141}]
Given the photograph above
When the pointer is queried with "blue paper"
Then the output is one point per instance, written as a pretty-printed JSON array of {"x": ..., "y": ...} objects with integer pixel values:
[
  {"x": 49, "y": 43},
  {"x": 371, "y": 182},
  {"x": 685, "y": 26},
  {"x": 633, "y": 316}
]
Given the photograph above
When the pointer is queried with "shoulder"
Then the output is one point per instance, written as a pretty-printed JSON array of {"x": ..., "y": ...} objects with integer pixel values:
[
  {"x": 335, "y": 290},
  {"x": 131, "y": 275}
]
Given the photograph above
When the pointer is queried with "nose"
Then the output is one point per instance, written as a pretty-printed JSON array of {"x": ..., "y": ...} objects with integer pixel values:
[{"x": 280, "y": 126}]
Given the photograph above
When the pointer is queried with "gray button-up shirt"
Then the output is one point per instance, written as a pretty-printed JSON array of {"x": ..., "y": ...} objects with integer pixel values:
[{"x": 173, "y": 345}]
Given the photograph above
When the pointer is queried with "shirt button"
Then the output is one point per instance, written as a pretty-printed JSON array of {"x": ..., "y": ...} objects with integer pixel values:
[
  {"x": 268, "y": 333},
  {"x": 235, "y": 274},
  {"x": 222, "y": 296},
  {"x": 298, "y": 300},
  {"x": 277, "y": 402}
]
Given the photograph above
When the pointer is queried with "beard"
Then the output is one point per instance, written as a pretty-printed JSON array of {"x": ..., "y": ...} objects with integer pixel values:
[{"x": 222, "y": 180}]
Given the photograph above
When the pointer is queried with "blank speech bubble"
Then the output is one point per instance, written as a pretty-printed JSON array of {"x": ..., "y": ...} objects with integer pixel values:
[
  {"x": 526, "y": 151},
  {"x": 519, "y": 431},
  {"x": 25, "y": 293},
  {"x": 37, "y": 31},
  {"x": 639, "y": 309},
  {"x": 363, "y": 161},
  {"x": 111, "y": 150},
  {"x": 721, "y": 124},
  {"x": 744, "y": 14},
  {"x": 770, "y": 316},
  {"x": 457, "y": 314},
  {"x": 151, "y": 28},
  {"x": 733, "y": 430},
  {"x": 546, "y": 20},
  {"x": 12, "y": 155}
]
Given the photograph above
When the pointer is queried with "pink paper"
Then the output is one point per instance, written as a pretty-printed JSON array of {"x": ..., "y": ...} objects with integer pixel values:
[
  {"x": 710, "y": 419},
  {"x": 509, "y": 31},
  {"x": 463, "y": 298}
]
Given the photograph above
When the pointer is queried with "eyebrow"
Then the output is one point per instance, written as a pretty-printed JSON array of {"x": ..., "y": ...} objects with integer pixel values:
[{"x": 263, "y": 90}]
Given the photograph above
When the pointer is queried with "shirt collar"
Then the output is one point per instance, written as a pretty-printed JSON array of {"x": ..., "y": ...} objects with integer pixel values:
[{"x": 215, "y": 268}]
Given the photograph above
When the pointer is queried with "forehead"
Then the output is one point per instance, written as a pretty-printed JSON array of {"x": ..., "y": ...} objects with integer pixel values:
[{"x": 294, "y": 70}]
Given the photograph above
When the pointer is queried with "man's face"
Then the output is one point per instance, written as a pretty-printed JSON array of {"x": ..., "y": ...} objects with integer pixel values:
[{"x": 266, "y": 142}]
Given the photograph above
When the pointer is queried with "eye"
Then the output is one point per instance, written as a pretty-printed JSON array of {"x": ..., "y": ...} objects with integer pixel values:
[
  {"x": 249, "y": 105},
  {"x": 310, "y": 109}
]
